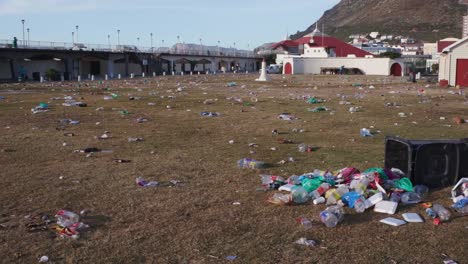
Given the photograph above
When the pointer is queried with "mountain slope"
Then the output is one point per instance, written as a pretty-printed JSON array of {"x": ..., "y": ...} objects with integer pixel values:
[{"x": 428, "y": 20}]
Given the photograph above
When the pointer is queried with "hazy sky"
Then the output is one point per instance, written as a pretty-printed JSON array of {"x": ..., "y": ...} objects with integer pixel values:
[{"x": 245, "y": 22}]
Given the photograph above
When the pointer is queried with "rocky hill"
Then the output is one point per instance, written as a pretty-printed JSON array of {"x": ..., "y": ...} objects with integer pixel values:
[{"x": 428, "y": 20}]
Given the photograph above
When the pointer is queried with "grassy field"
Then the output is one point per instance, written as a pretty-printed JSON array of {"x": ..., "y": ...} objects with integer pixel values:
[{"x": 196, "y": 220}]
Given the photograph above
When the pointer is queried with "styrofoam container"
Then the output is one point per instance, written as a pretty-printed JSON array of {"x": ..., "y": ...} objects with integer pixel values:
[
  {"x": 412, "y": 218},
  {"x": 387, "y": 207},
  {"x": 393, "y": 221}
]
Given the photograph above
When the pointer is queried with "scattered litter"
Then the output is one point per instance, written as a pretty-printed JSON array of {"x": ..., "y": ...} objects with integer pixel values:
[
  {"x": 135, "y": 139},
  {"x": 317, "y": 109},
  {"x": 287, "y": 117},
  {"x": 250, "y": 164},
  {"x": 44, "y": 259},
  {"x": 41, "y": 108},
  {"x": 412, "y": 218},
  {"x": 306, "y": 242},
  {"x": 121, "y": 161},
  {"x": 231, "y": 257},
  {"x": 231, "y": 84},
  {"x": 210, "y": 114},
  {"x": 387, "y": 207},
  {"x": 366, "y": 132},
  {"x": 141, "y": 182},
  {"x": 393, "y": 221},
  {"x": 141, "y": 120},
  {"x": 68, "y": 224}
]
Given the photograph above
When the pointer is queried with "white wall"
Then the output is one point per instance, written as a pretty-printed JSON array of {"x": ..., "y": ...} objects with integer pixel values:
[
  {"x": 370, "y": 66},
  {"x": 460, "y": 52}
]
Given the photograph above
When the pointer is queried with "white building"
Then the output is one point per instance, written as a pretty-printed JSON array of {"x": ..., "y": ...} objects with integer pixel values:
[
  {"x": 367, "y": 66},
  {"x": 465, "y": 27},
  {"x": 374, "y": 35},
  {"x": 453, "y": 66}
]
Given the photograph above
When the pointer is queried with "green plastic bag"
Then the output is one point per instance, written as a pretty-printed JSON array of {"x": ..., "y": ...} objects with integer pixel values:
[
  {"x": 380, "y": 171},
  {"x": 404, "y": 184},
  {"x": 311, "y": 184}
]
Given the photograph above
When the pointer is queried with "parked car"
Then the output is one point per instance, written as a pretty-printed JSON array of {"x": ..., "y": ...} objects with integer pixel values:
[{"x": 274, "y": 69}]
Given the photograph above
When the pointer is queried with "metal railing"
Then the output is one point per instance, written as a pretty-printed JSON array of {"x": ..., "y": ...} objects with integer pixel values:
[{"x": 177, "y": 49}]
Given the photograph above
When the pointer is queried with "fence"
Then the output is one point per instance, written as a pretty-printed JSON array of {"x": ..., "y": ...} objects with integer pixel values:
[{"x": 176, "y": 49}]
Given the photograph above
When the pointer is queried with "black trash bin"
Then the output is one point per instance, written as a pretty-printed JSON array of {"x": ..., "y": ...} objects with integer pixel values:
[{"x": 435, "y": 163}]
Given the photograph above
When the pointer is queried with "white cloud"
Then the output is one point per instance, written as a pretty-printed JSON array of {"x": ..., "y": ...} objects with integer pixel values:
[{"x": 18, "y": 7}]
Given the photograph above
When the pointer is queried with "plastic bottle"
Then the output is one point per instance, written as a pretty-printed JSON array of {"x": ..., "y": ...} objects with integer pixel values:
[
  {"x": 306, "y": 223},
  {"x": 431, "y": 213},
  {"x": 463, "y": 210},
  {"x": 320, "y": 190},
  {"x": 334, "y": 195},
  {"x": 271, "y": 181},
  {"x": 66, "y": 218},
  {"x": 360, "y": 205},
  {"x": 410, "y": 198},
  {"x": 332, "y": 216},
  {"x": 319, "y": 200},
  {"x": 395, "y": 197},
  {"x": 361, "y": 186},
  {"x": 250, "y": 164},
  {"x": 299, "y": 195},
  {"x": 422, "y": 190},
  {"x": 354, "y": 200},
  {"x": 302, "y": 147},
  {"x": 442, "y": 212}
]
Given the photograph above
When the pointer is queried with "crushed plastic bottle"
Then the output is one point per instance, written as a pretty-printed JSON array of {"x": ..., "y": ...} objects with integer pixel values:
[
  {"x": 332, "y": 215},
  {"x": 299, "y": 195},
  {"x": 431, "y": 213},
  {"x": 410, "y": 198},
  {"x": 442, "y": 212},
  {"x": 320, "y": 190},
  {"x": 305, "y": 222},
  {"x": 144, "y": 183},
  {"x": 280, "y": 199},
  {"x": 306, "y": 242},
  {"x": 250, "y": 164},
  {"x": 271, "y": 181}
]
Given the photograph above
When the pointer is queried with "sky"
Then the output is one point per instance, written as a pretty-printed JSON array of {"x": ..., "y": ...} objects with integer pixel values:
[{"x": 247, "y": 23}]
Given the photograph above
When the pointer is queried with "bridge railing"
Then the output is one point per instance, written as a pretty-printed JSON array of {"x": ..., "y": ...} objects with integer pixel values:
[{"x": 200, "y": 50}]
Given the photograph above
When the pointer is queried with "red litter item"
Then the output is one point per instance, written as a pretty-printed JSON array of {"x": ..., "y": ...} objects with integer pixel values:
[{"x": 437, "y": 221}]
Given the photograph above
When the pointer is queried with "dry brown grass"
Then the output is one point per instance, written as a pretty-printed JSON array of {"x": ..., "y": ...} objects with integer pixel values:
[{"x": 196, "y": 221}]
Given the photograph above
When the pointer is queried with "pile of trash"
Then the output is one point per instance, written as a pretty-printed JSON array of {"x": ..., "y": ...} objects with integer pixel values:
[
  {"x": 68, "y": 224},
  {"x": 382, "y": 189}
]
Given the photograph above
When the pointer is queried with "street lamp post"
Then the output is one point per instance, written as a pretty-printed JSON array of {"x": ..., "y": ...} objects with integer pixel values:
[
  {"x": 138, "y": 41},
  {"x": 73, "y": 38},
  {"x": 108, "y": 41},
  {"x": 219, "y": 52},
  {"x": 118, "y": 37},
  {"x": 151, "y": 35},
  {"x": 77, "y": 41},
  {"x": 28, "y": 35},
  {"x": 22, "y": 21},
  {"x": 201, "y": 47}
]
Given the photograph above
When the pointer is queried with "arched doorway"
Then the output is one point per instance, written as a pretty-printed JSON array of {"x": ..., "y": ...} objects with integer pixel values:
[
  {"x": 395, "y": 70},
  {"x": 288, "y": 68}
]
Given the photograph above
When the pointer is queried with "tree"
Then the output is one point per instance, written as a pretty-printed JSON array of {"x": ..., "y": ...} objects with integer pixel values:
[{"x": 391, "y": 55}]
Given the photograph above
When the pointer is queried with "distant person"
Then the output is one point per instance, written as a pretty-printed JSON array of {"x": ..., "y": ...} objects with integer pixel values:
[{"x": 15, "y": 43}]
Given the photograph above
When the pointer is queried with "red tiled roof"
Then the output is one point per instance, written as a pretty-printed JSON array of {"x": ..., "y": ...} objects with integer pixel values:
[
  {"x": 441, "y": 45},
  {"x": 342, "y": 49}
]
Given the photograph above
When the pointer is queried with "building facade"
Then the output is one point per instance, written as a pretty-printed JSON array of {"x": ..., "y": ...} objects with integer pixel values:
[{"x": 453, "y": 66}]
